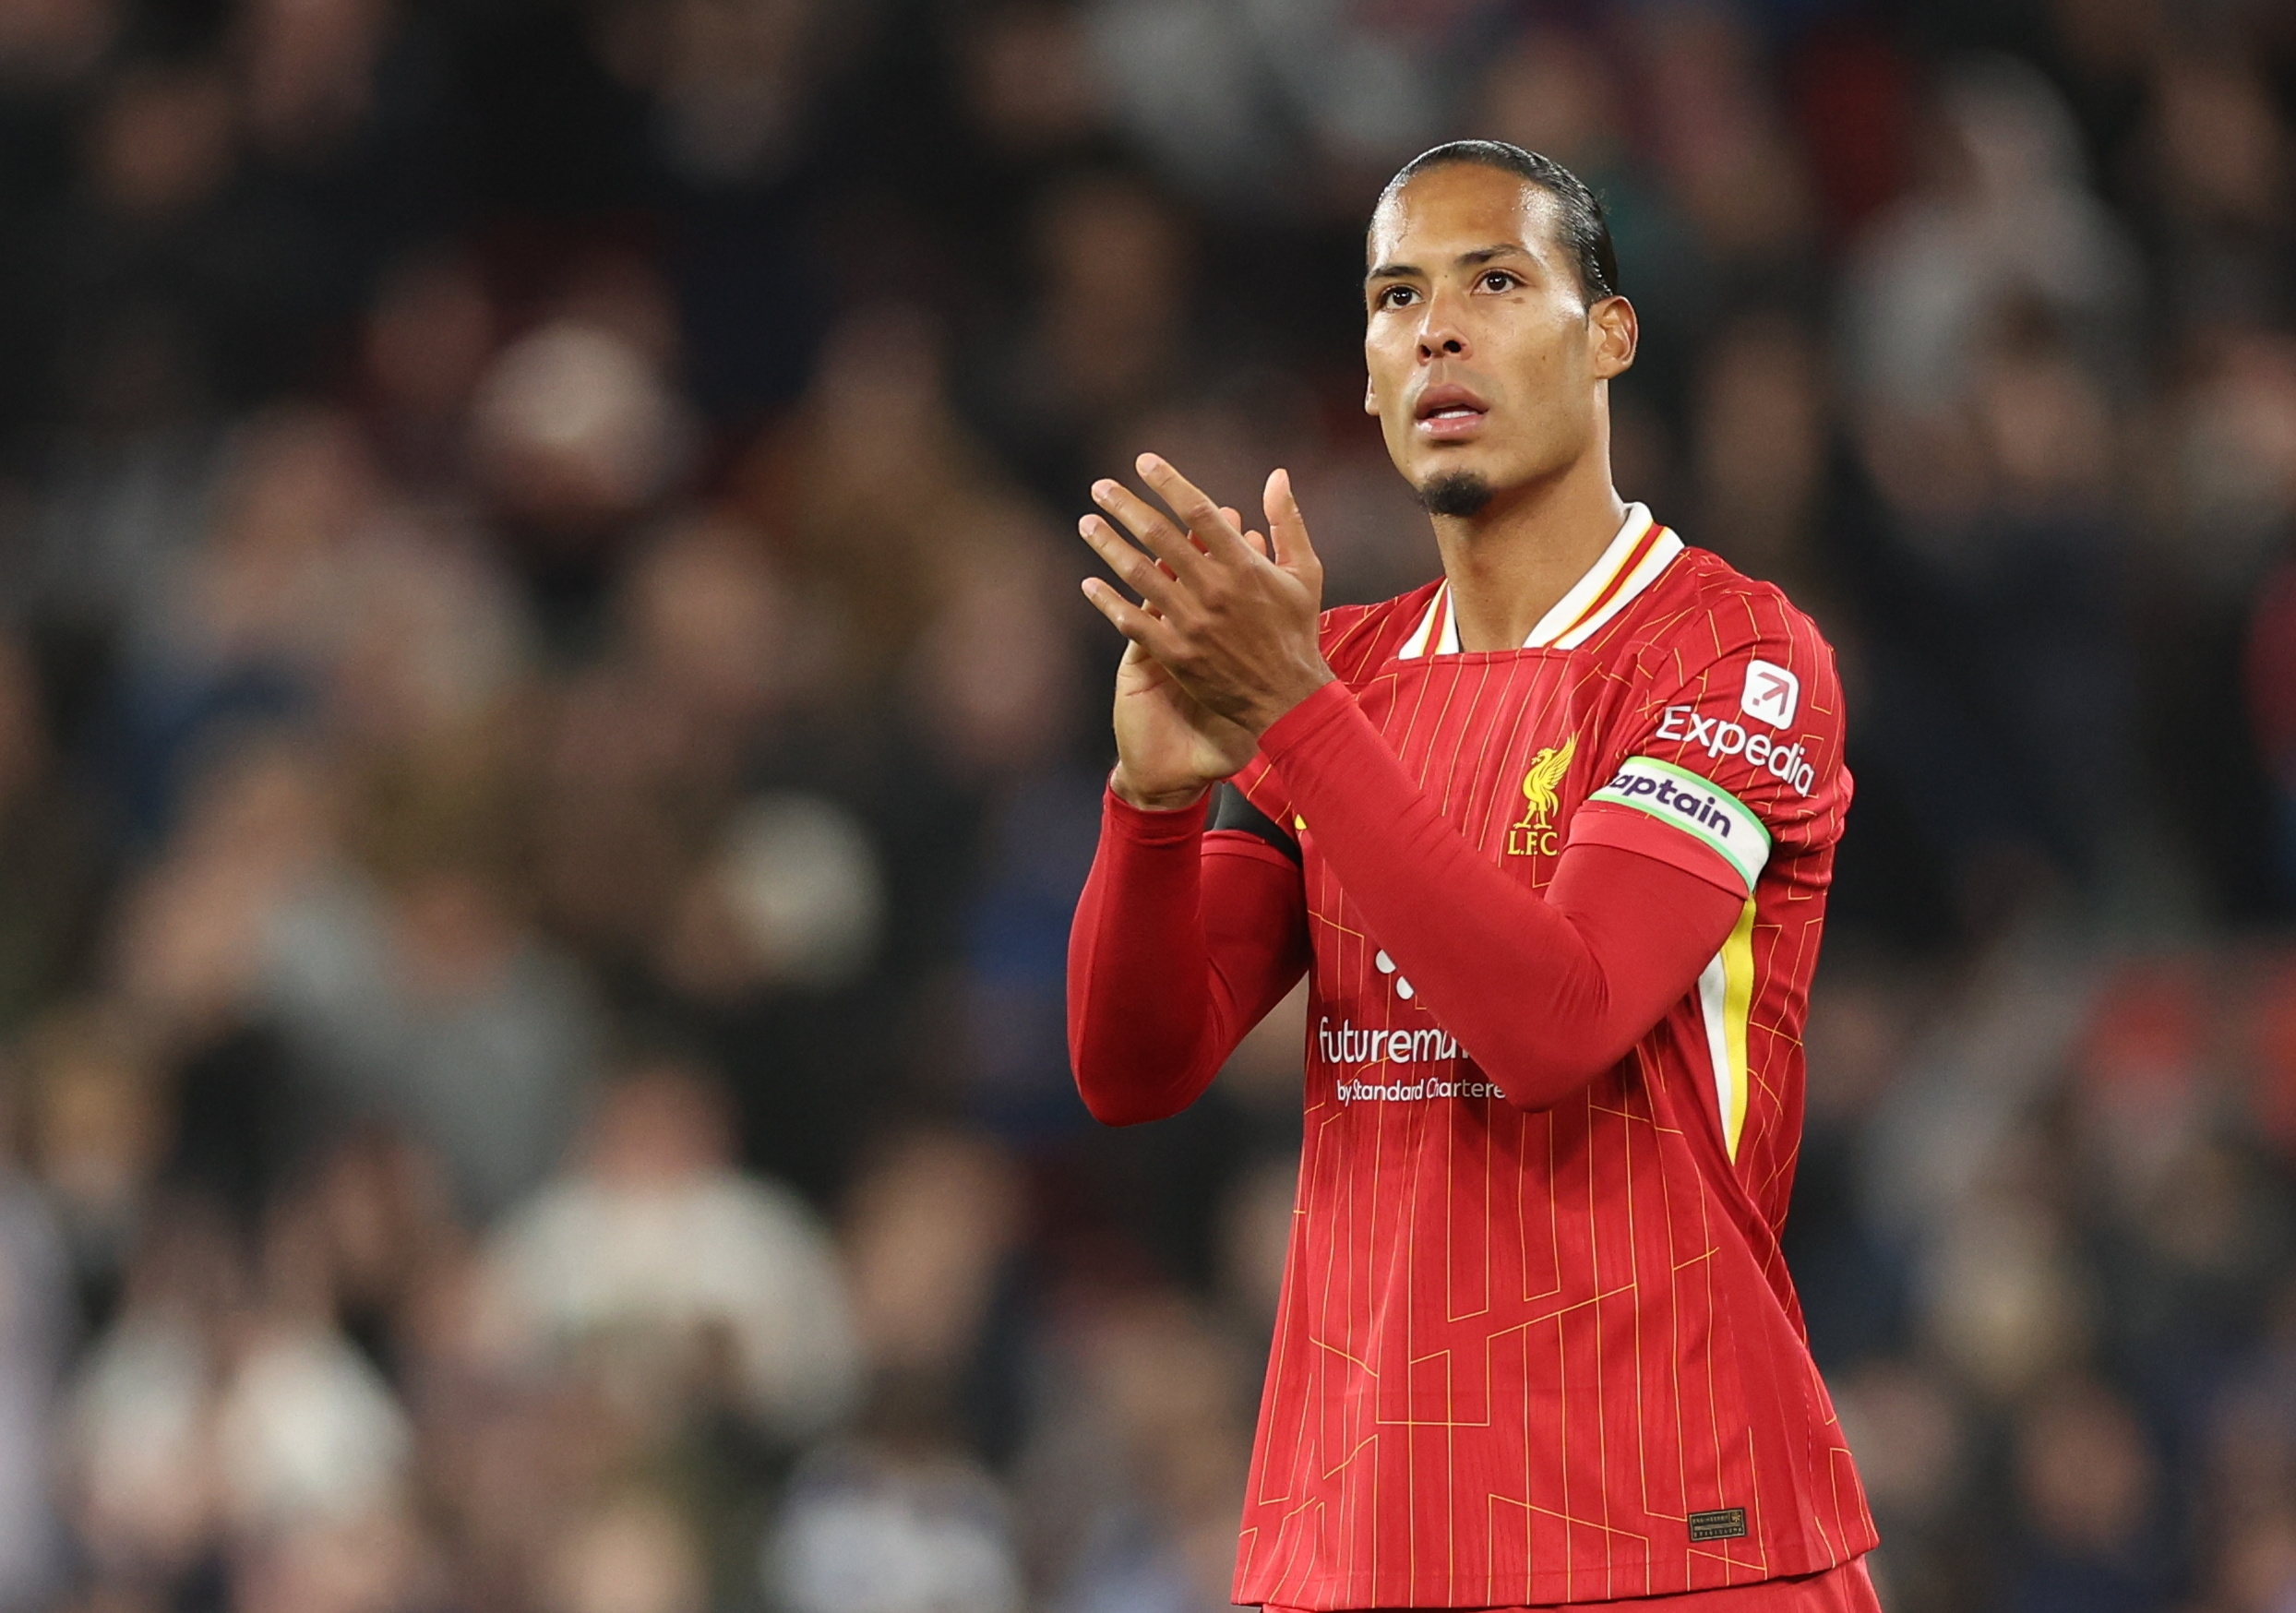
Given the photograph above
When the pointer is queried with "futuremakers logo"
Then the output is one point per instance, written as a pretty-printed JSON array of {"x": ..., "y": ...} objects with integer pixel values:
[{"x": 1343, "y": 1044}]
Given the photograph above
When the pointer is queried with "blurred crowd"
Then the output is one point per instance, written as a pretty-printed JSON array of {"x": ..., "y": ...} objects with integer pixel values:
[{"x": 549, "y": 744}]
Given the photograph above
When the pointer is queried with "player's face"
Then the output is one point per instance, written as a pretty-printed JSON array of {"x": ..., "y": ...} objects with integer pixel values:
[{"x": 1486, "y": 363}]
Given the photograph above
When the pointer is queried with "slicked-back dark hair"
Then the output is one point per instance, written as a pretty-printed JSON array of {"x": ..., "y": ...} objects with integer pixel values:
[{"x": 1579, "y": 222}]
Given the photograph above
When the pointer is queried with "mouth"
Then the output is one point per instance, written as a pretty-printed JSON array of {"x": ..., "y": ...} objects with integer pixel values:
[{"x": 1448, "y": 413}]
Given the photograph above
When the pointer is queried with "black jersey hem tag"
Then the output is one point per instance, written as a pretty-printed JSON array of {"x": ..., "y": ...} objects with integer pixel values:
[{"x": 1729, "y": 1523}]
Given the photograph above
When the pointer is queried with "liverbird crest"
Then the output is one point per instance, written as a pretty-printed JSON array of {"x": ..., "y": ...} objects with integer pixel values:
[{"x": 1535, "y": 831}]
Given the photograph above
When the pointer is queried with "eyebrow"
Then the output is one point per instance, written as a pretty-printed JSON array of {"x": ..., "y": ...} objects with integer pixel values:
[{"x": 1481, "y": 254}]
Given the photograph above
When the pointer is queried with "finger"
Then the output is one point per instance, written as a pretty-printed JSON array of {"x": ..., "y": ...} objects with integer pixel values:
[
  {"x": 1144, "y": 577},
  {"x": 1286, "y": 525},
  {"x": 1234, "y": 517},
  {"x": 1148, "y": 524},
  {"x": 1256, "y": 541},
  {"x": 1217, "y": 528},
  {"x": 1142, "y": 629}
]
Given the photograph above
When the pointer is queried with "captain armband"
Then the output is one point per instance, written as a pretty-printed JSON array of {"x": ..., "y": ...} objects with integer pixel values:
[{"x": 1697, "y": 807}]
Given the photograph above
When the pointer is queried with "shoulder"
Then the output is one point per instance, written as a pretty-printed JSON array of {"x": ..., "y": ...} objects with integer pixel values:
[
  {"x": 1736, "y": 685},
  {"x": 1356, "y": 638},
  {"x": 1706, "y": 613}
]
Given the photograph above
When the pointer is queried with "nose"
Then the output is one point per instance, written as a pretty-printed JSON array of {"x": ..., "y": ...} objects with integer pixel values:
[{"x": 1441, "y": 335}]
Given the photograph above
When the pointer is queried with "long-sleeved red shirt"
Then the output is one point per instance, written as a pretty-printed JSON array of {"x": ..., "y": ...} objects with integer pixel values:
[
  {"x": 1184, "y": 940},
  {"x": 1558, "y": 908}
]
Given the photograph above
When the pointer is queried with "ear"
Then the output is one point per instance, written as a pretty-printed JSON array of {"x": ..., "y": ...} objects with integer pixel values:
[
  {"x": 1371, "y": 399},
  {"x": 1613, "y": 332}
]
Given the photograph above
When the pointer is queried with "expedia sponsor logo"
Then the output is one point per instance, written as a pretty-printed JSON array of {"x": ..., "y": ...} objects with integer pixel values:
[
  {"x": 1771, "y": 694},
  {"x": 1720, "y": 738}
]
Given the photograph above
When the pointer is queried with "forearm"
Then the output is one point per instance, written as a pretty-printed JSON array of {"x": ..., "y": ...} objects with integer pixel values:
[
  {"x": 1175, "y": 953},
  {"x": 1545, "y": 991}
]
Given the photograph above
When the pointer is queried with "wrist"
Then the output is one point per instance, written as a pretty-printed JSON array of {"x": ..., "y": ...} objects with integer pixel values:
[
  {"x": 1329, "y": 703},
  {"x": 1274, "y": 710},
  {"x": 1154, "y": 798}
]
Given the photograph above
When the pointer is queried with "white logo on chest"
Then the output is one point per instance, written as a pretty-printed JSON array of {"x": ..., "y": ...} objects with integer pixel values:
[
  {"x": 1771, "y": 694},
  {"x": 1386, "y": 965}
]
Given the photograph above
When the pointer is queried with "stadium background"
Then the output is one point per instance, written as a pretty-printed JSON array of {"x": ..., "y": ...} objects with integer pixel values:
[{"x": 547, "y": 742}]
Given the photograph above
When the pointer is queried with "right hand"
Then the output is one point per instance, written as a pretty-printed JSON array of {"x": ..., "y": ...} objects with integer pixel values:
[{"x": 1171, "y": 748}]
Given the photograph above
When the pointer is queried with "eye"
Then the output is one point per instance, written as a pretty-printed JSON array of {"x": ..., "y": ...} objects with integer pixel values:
[
  {"x": 1497, "y": 280},
  {"x": 1392, "y": 296}
]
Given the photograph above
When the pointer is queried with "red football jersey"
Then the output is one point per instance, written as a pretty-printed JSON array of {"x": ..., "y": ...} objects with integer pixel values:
[{"x": 1539, "y": 1358}]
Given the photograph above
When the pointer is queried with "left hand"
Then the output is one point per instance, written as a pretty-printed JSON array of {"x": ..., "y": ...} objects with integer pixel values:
[{"x": 1232, "y": 616}]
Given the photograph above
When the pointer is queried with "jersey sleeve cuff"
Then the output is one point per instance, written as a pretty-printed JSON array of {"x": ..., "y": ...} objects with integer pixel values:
[
  {"x": 1624, "y": 828},
  {"x": 1181, "y": 825},
  {"x": 1311, "y": 716}
]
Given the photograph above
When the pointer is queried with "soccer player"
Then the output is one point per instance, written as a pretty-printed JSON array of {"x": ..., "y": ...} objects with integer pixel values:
[{"x": 1550, "y": 837}]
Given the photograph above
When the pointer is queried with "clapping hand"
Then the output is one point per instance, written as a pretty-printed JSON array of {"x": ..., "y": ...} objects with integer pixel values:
[{"x": 1223, "y": 640}]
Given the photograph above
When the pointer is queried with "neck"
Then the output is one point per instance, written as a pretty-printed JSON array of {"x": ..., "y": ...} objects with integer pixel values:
[{"x": 1510, "y": 562}]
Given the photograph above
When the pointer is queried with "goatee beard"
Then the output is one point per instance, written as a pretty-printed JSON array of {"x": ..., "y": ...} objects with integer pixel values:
[{"x": 1457, "y": 493}]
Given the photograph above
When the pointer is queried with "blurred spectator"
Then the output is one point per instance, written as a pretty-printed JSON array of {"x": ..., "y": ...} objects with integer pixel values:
[
  {"x": 1136, "y": 1482},
  {"x": 376, "y": 1564},
  {"x": 1255, "y": 1241},
  {"x": 931, "y": 1221},
  {"x": 424, "y": 344},
  {"x": 2003, "y": 217},
  {"x": 257, "y": 825},
  {"x": 633, "y": 1554},
  {"x": 1188, "y": 85},
  {"x": 37, "y": 1333},
  {"x": 1762, "y": 450},
  {"x": 98, "y": 1125},
  {"x": 427, "y": 1001},
  {"x": 2005, "y": 1299},
  {"x": 54, "y": 865},
  {"x": 2233, "y": 456},
  {"x": 2221, "y": 164},
  {"x": 1850, "y": 1273},
  {"x": 172, "y": 238},
  {"x": 1915, "y": 1452},
  {"x": 306, "y": 72},
  {"x": 1718, "y": 139},
  {"x": 1029, "y": 79},
  {"x": 901, "y": 1524},
  {"x": 886, "y": 497},
  {"x": 655, "y": 1255},
  {"x": 57, "y": 38},
  {"x": 2271, "y": 668},
  {"x": 1112, "y": 320},
  {"x": 138, "y": 1449},
  {"x": 2087, "y": 1480},
  {"x": 732, "y": 84},
  {"x": 574, "y": 435}
]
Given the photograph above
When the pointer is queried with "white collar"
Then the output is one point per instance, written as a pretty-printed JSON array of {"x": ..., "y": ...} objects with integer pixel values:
[{"x": 1630, "y": 562}]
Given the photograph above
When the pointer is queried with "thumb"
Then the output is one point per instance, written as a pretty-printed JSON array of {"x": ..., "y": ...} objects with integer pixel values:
[{"x": 1294, "y": 552}]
